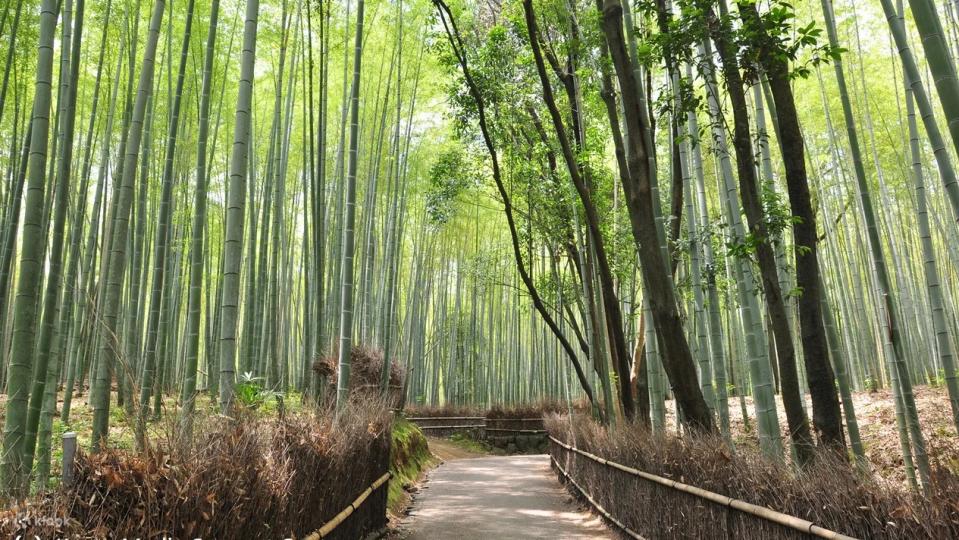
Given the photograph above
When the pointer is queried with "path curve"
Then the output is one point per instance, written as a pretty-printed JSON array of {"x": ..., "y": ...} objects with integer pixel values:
[
  {"x": 498, "y": 498},
  {"x": 446, "y": 450}
]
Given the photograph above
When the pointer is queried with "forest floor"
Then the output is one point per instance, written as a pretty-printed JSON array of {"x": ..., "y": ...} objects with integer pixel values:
[{"x": 876, "y": 414}]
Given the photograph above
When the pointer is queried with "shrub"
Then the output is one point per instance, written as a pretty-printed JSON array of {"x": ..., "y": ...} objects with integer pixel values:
[
  {"x": 534, "y": 409},
  {"x": 527, "y": 410}
]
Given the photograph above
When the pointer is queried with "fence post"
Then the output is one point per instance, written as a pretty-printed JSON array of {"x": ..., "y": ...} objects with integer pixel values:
[{"x": 69, "y": 456}]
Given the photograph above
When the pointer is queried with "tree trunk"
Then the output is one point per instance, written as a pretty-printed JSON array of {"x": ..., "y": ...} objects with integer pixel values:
[
  {"x": 678, "y": 359},
  {"x": 619, "y": 349},
  {"x": 762, "y": 241}
]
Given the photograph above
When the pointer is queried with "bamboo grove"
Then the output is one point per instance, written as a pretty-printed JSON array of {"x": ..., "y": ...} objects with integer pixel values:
[{"x": 603, "y": 201}]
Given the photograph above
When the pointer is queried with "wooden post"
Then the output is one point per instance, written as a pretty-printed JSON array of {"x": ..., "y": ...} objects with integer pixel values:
[{"x": 69, "y": 456}]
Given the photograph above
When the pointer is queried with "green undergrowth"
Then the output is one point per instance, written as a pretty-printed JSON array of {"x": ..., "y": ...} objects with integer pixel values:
[
  {"x": 470, "y": 444},
  {"x": 409, "y": 457}
]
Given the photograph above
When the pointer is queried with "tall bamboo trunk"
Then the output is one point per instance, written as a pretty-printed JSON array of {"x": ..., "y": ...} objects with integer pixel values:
[
  {"x": 233, "y": 236},
  {"x": 12, "y": 471}
]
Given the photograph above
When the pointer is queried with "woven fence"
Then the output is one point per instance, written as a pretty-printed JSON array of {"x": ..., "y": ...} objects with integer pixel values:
[
  {"x": 367, "y": 509},
  {"x": 643, "y": 505},
  {"x": 249, "y": 479},
  {"x": 444, "y": 426},
  {"x": 521, "y": 435}
]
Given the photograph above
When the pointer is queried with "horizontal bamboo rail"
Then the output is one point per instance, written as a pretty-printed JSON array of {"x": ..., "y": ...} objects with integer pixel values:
[
  {"x": 337, "y": 520},
  {"x": 462, "y": 426},
  {"x": 790, "y": 522},
  {"x": 526, "y": 431},
  {"x": 421, "y": 418}
]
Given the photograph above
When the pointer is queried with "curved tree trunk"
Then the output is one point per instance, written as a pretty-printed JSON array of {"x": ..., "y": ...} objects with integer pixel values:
[
  {"x": 620, "y": 353},
  {"x": 452, "y": 33}
]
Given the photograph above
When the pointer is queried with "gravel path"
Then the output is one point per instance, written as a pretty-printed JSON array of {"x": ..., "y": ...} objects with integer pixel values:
[{"x": 498, "y": 498}]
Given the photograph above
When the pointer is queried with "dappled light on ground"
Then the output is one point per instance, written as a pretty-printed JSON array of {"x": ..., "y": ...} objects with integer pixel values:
[{"x": 498, "y": 497}]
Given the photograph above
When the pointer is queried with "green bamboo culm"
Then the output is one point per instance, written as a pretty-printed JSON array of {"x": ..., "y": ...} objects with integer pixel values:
[
  {"x": 233, "y": 243},
  {"x": 761, "y": 376},
  {"x": 49, "y": 331},
  {"x": 123, "y": 201},
  {"x": 12, "y": 471},
  {"x": 895, "y": 346},
  {"x": 346, "y": 273},
  {"x": 945, "y": 78},
  {"x": 165, "y": 218},
  {"x": 708, "y": 271},
  {"x": 941, "y": 64},
  {"x": 930, "y": 265},
  {"x": 161, "y": 246},
  {"x": 199, "y": 220},
  {"x": 74, "y": 346},
  {"x": 385, "y": 324},
  {"x": 944, "y": 75},
  {"x": 9, "y": 63}
]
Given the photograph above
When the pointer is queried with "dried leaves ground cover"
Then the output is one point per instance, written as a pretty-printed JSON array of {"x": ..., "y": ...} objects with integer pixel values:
[{"x": 877, "y": 423}]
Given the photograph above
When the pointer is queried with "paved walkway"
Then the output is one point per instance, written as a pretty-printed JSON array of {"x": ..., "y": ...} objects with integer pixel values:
[{"x": 498, "y": 498}]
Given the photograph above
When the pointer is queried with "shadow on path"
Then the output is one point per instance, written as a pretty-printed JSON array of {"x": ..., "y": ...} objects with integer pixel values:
[{"x": 499, "y": 498}]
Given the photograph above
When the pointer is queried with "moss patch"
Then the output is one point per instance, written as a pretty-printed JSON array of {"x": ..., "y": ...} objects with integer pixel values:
[{"x": 409, "y": 457}]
